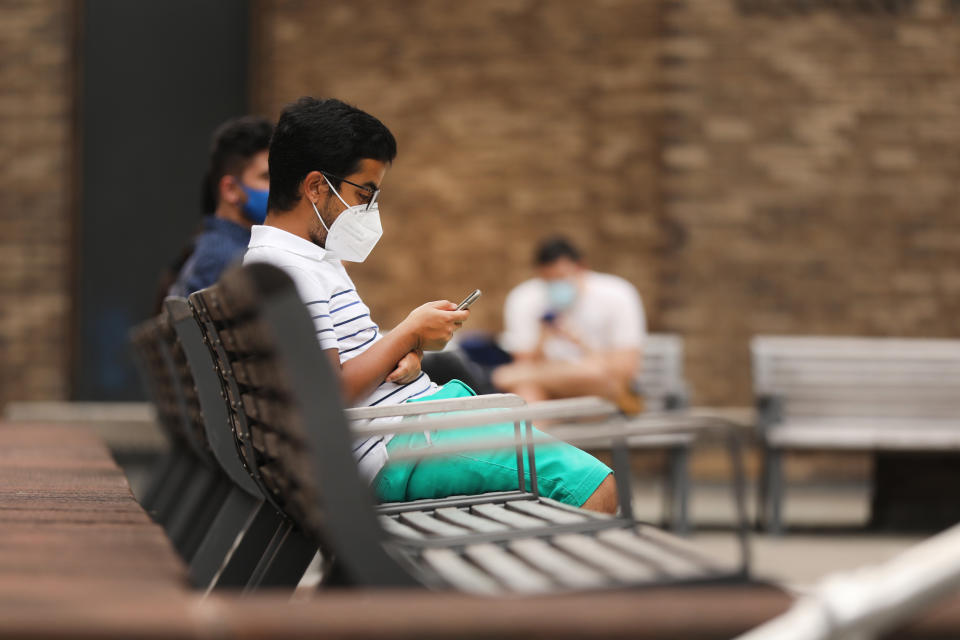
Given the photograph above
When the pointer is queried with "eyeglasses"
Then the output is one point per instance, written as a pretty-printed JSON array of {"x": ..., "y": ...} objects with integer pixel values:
[{"x": 374, "y": 193}]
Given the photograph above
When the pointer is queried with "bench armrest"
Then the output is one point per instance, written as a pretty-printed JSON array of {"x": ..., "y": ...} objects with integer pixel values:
[
  {"x": 489, "y": 401},
  {"x": 570, "y": 408},
  {"x": 615, "y": 429}
]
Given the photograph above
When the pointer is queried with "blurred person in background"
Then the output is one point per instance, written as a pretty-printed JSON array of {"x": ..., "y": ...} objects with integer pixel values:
[
  {"x": 572, "y": 331},
  {"x": 235, "y": 191}
]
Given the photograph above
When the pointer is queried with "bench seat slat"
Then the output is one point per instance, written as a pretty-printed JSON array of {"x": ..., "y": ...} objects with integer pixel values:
[
  {"x": 390, "y": 525},
  {"x": 676, "y": 566},
  {"x": 865, "y": 435},
  {"x": 512, "y": 518},
  {"x": 561, "y": 566},
  {"x": 461, "y": 518},
  {"x": 430, "y": 525},
  {"x": 460, "y": 573},
  {"x": 508, "y": 569},
  {"x": 617, "y": 565},
  {"x": 545, "y": 512}
]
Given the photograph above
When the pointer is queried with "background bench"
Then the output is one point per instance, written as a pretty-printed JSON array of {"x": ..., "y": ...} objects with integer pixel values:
[
  {"x": 664, "y": 388},
  {"x": 855, "y": 394}
]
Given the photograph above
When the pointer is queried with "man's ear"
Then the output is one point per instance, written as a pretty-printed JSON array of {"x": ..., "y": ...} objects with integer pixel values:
[
  {"x": 315, "y": 187},
  {"x": 229, "y": 190}
]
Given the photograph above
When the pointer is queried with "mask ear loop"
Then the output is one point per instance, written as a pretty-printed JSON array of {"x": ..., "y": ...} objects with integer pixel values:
[
  {"x": 314, "y": 204},
  {"x": 319, "y": 217},
  {"x": 329, "y": 184}
]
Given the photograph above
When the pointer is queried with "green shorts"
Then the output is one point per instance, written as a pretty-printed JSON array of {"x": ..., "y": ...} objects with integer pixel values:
[{"x": 564, "y": 472}]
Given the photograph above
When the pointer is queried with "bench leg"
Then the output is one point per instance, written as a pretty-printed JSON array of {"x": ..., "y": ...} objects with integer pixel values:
[
  {"x": 771, "y": 494},
  {"x": 202, "y": 482},
  {"x": 286, "y": 560},
  {"x": 677, "y": 490},
  {"x": 246, "y": 551},
  {"x": 160, "y": 473},
  {"x": 169, "y": 497},
  {"x": 231, "y": 522},
  {"x": 203, "y": 517}
]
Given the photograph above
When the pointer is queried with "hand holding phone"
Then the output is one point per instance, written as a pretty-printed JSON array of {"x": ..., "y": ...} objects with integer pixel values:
[{"x": 469, "y": 300}]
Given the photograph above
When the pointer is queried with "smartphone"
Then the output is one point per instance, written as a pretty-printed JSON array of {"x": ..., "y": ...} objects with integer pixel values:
[{"x": 469, "y": 300}]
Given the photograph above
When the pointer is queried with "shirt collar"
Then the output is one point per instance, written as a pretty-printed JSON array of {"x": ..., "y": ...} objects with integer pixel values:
[{"x": 267, "y": 236}]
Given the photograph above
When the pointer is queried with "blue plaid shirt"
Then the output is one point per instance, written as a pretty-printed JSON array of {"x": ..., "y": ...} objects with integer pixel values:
[{"x": 221, "y": 244}]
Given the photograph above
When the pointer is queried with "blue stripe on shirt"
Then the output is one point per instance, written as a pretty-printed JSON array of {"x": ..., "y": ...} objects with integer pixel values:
[
  {"x": 341, "y": 293},
  {"x": 322, "y": 315},
  {"x": 363, "y": 344},
  {"x": 357, "y": 332},
  {"x": 362, "y": 315},
  {"x": 397, "y": 390},
  {"x": 344, "y": 307},
  {"x": 418, "y": 393},
  {"x": 371, "y": 448}
]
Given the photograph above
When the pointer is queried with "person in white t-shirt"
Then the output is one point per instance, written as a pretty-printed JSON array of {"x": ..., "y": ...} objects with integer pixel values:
[
  {"x": 571, "y": 331},
  {"x": 327, "y": 161}
]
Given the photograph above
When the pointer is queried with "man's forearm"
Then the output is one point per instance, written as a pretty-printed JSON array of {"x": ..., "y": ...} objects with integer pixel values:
[{"x": 361, "y": 375}]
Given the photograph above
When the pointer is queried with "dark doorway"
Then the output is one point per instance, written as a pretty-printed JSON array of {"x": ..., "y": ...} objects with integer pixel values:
[{"x": 156, "y": 78}]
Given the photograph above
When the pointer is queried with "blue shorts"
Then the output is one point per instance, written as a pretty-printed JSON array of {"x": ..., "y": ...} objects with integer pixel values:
[{"x": 564, "y": 472}]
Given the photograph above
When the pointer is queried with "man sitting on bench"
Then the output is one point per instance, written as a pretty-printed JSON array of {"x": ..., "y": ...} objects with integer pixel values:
[{"x": 327, "y": 160}]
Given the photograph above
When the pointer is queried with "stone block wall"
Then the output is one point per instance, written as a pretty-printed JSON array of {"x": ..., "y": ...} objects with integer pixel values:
[{"x": 36, "y": 197}]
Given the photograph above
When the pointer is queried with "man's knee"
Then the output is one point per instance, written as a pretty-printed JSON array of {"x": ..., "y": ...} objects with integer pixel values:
[{"x": 604, "y": 499}]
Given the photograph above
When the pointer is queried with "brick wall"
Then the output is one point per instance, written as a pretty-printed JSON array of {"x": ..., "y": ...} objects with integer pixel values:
[
  {"x": 36, "y": 187},
  {"x": 753, "y": 166},
  {"x": 811, "y": 174},
  {"x": 787, "y": 166},
  {"x": 513, "y": 119}
]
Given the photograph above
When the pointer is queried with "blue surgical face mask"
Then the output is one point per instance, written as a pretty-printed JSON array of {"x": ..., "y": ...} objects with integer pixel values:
[
  {"x": 561, "y": 294},
  {"x": 255, "y": 208}
]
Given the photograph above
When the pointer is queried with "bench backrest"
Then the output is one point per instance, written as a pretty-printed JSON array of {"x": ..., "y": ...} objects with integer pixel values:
[
  {"x": 862, "y": 377},
  {"x": 157, "y": 374},
  {"x": 287, "y": 416},
  {"x": 206, "y": 404},
  {"x": 661, "y": 376},
  {"x": 188, "y": 402}
]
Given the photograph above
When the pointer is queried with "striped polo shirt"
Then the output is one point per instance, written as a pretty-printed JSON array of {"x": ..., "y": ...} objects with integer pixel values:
[{"x": 340, "y": 318}]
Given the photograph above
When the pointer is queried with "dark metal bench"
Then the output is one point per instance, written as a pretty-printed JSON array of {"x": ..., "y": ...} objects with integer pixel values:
[
  {"x": 297, "y": 444},
  {"x": 187, "y": 479}
]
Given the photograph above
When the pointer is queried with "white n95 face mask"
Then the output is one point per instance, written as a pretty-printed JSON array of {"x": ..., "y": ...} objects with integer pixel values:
[{"x": 355, "y": 232}]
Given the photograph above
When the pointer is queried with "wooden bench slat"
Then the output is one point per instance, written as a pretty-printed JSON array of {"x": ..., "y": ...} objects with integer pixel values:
[
  {"x": 561, "y": 566},
  {"x": 512, "y": 518},
  {"x": 509, "y": 570},
  {"x": 461, "y": 518}
]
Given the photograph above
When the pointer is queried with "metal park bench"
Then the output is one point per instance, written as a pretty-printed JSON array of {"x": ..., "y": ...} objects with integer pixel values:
[
  {"x": 285, "y": 560},
  {"x": 852, "y": 394},
  {"x": 186, "y": 479},
  {"x": 297, "y": 445}
]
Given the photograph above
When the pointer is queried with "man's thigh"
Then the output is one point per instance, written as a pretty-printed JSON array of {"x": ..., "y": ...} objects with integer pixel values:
[{"x": 564, "y": 472}]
